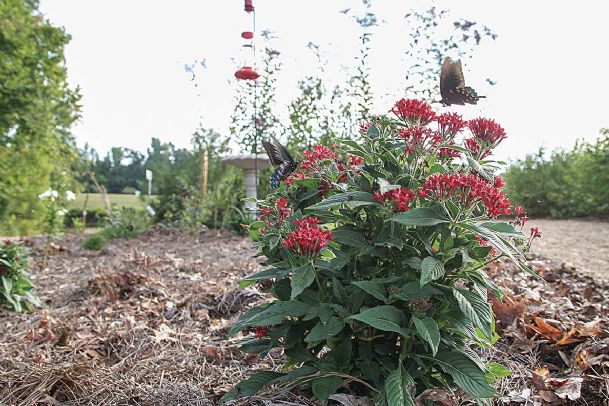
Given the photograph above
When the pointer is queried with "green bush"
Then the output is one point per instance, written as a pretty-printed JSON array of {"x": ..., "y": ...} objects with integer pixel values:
[
  {"x": 95, "y": 242},
  {"x": 94, "y": 217},
  {"x": 17, "y": 290},
  {"x": 126, "y": 222},
  {"x": 376, "y": 252},
  {"x": 565, "y": 184}
]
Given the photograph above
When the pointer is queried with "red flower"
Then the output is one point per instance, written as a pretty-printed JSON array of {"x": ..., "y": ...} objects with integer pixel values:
[
  {"x": 355, "y": 160},
  {"x": 378, "y": 196},
  {"x": 418, "y": 137},
  {"x": 450, "y": 124},
  {"x": 498, "y": 182},
  {"x": 363, "y": 127},
  {"x": 449, "y": 152},
  {"x": 313, "y": 158},
  {"x": 262, "y": 331},
  {"x": 487, "y": 131},
  {"x": 414, "y": 110},
  {"x": 308, "y": 238},
  {"x": 283, "y": 209},
  {"x": 521, "y": 216},
  {"x": 472, "y": 145},
  {"x": 468, "y": 190},
  {"x": 535, "y": 232},
  {"x": 400, "y": 196}
]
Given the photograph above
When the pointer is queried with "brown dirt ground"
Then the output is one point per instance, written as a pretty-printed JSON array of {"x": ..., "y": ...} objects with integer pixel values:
[
  {"x": 145, "y": 322},
  {"x": 583, "y": 244}
]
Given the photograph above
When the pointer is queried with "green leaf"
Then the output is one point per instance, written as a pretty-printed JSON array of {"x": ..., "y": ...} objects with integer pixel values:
[
  {"x": 436, "y": 168},
  {"x": 374, "y": 289},
  {"x": 421, "y": 216},
  {"x": 373, "y": 132},
  {"x": 397, "y": 388},
  {"x": 271, "y": 273},
  {"x": 248, "y": 315},
  {"x": 465, "y": 373},
  {"x": 501, "y": 227},
  {"x": 302, "y": 278},
  {"x": 483, "y": 172},
  {"x": 252, "y": 385},
  {"x": 431, "y": 270},
  {"x": 326, "y": 386},
  {"x": 324, "y": 330},
  {"x": 271, "y": 315},
  {"x": 349, "y": 237},
  {"x": 413, "y": 262},
  {"x": 502, "y": 244},
  {"x": 496, "y": 371},
  {"x": 326, "y": 254},
  {"x": 414, "y": 290},
  {"x": 429, "y": 331},
  {"x": 385, "y": 318},
  {"x": 475, "y": 309},
  {"x": 353, "y": 198}
]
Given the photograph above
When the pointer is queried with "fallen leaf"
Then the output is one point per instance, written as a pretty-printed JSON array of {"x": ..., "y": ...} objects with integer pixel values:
[
  {"x": 350, "y": 400},
  {"x": 436, "y": 395},
  {"x": 544, "y": 329}
]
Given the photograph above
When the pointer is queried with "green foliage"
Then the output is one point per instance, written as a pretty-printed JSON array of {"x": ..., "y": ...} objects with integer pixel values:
[
  {"x": 17, "y": 290},
  {"x": 124, "y": 222},
  {"x": 377, "y": 272},
  {"x": 95, "y": 242},
  {"x": 565, "y": 184},
  {"x": 37, "y": 109}
]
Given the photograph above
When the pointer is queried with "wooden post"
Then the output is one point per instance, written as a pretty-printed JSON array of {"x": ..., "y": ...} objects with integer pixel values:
[{"x": 204, "y": 168}]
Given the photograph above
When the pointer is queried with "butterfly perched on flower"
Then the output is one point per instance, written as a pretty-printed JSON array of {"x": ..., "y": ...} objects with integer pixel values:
[
  {"x": 452, "y": 85},
  {"x": 281, "y": 158}
]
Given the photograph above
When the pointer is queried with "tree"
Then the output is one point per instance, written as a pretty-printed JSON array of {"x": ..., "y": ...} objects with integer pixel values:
[{"x": 37, "y": 109}]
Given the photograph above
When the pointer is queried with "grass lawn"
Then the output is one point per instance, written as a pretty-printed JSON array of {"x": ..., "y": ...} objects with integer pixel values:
[{"x": 96, "y": 202}]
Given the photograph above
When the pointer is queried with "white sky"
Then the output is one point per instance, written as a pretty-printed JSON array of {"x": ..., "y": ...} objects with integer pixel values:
[{"x": 550, "y": 61}]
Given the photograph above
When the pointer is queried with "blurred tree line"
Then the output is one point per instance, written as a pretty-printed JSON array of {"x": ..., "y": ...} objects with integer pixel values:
[
  {"x": 564, "y": 183},
  {"x": 37, "y": 109}
]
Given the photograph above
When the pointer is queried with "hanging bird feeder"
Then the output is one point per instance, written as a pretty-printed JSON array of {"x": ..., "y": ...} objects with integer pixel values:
[
  {"x": 247, "y": 49},
  {"x": 249, "y": 6},
  {"x": 247, "y": 73}
]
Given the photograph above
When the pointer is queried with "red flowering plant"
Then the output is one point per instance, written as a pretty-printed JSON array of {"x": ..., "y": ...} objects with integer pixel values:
[{"x": 376, "y": 251}]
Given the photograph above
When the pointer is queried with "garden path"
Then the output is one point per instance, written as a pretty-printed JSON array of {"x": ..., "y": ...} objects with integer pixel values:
[{"x": 580, "y": 243}]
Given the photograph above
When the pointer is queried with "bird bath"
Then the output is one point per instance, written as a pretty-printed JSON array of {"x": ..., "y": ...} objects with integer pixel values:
[{"x": 250, "y": 164}]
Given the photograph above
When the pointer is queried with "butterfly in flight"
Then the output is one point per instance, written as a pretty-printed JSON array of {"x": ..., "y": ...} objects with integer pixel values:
[
  {"x": 281, "y": 158},
  {"x": 452, "y": 85}
]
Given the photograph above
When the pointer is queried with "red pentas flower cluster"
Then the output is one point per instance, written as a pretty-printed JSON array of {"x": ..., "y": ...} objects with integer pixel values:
[
  {"x": 418, "y": 138},
  {"x": 467, "y": 190},
  {"x": 315, "y": 157},
  {"x": 401, "y": 197},
  {"x": 277, "y": 213},
  {"x": 450, "y": 124},
  {"x": 413, "y": 110},
  {"x": 487, "y": 131},
  {"x": 486, "y": 135},
  {"x": 308, "y": 238}
]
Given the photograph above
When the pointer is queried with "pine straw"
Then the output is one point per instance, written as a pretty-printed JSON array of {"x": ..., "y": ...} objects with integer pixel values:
[{"x": 146, "y": 321}]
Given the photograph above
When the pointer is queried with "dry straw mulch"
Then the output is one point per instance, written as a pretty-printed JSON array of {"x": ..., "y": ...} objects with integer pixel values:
[{"x": 144, "y": 323}]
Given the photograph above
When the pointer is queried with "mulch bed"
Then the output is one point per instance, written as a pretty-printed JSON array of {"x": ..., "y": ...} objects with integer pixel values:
[{"x": 144, "y": 322}]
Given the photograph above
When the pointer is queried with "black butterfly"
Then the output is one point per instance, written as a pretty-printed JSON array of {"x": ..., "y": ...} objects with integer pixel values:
[
  {"x": 281, "y": 158},
  {"x": 452, "y": 85}
]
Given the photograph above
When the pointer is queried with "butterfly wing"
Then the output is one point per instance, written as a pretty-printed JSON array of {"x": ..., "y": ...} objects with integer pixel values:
[
  {"x": 452, "y": 83},
  {"x": 281, "y": 158},
  {"x": 276, "y": 152},
  {"x": 270, "y": 151}
]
